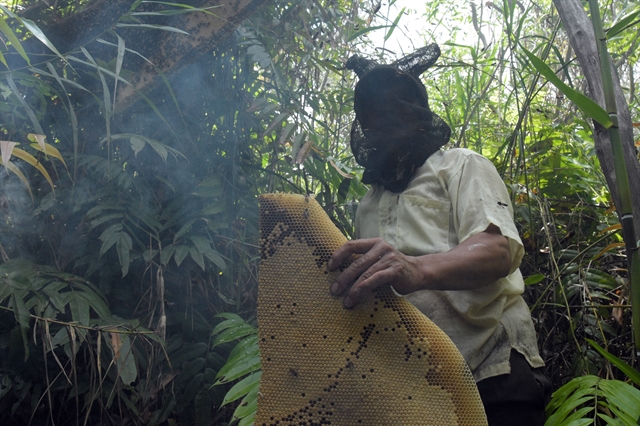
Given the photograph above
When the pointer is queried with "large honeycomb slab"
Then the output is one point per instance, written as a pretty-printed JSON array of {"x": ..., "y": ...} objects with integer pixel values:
[{"x": 382, "y": 363}]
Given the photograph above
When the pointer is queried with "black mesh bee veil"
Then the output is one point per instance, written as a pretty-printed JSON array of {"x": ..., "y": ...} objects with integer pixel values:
[{"x": 395, "y": 131}]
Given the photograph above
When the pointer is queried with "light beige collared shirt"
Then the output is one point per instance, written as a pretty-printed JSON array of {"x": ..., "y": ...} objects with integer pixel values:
[{"x": 454, "y": 195}]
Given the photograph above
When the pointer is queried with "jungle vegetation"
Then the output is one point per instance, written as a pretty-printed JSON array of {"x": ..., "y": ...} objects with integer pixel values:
[{"x": 137, "y": 135}]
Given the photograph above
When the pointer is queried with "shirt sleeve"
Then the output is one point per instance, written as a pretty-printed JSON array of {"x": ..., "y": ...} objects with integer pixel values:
[{"x": 479, "y": 198}]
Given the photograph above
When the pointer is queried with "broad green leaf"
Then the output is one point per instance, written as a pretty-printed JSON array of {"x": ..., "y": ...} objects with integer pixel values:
[
  {"x": 125, "y": 360},
  {"x": 238, "y": 369},
  {"x": 123, "y": 247},
  {"x": 197, "y": 257},
  {"x": 246, "y": 348},
  {"x": 4, "y": 62},
  {"x": 79, "y": 308},
  {"x": 586, "y": 105},
  {"x": 180, "y": 253},
  {"x": 248, "y": 405},
  {"x": 231, "y": 321},
  {"x": 233, "y": 333},
  {"x": 109, "y": 237},
  {"x": 243, "y": 387}
]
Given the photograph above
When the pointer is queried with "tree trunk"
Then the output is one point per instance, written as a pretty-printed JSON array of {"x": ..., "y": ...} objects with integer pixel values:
[{"x": 582, "y": 38}]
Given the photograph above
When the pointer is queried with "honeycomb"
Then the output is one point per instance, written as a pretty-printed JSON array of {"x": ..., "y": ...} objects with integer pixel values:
[{"x": 381, "y": 363}]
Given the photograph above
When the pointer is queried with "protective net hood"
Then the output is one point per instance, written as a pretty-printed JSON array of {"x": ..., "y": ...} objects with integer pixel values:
[{"x": 382, "y": 363}]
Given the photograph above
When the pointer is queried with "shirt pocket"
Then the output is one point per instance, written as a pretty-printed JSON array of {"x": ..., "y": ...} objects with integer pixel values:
[{"x": 423, "y": 225}]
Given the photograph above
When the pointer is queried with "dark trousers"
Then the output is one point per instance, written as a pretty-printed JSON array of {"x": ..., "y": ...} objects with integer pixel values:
[{"x": 518, "y": 398}]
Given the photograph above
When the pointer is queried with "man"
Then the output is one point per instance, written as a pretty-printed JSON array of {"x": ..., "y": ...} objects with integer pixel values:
[{"x": 437, "y": 226}]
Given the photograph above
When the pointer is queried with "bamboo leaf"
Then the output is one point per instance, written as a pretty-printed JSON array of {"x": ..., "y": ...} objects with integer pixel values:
[
  {"x": 12, "y": 168},
  {"x": 38, "y": 139},
  {"x": 394, "y": 25},
  {"x": 50, "y": 150},
  {"x": 623, "y": 24},
  {"x": 28, "y": 158},
  {"x": 365, "y": 30},
  {"x": 11, "y": 36},
  {"x": 153, "y": 27},
  {"x": 23, "y": 317},
  {"x": 27, "y": 108},
  {"x": 586, "y": 105},
  {"x": 6, "y": 149},
  {"x": 37, "y": 32},
  {"x": 629, "y": 371}
]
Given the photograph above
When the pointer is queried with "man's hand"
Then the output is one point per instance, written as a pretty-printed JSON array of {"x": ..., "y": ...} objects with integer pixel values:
[
  {"x": 379, "y": 264},
  {"x": 477, "y": 262}
]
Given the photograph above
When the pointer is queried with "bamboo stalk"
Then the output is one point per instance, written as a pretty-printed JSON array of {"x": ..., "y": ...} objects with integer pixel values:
[{"x": 622, "y": 180}]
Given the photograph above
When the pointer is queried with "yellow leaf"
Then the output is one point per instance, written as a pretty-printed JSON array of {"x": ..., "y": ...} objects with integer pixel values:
[
  {"x": 611, "y": 228},
  {"x": 116, "y": 343},
  {"x": 50, "y": 150},
  {"x": 33, "y": 137},
  {"x": 607, "y": 248},
  {"x": 25, "y": 156},
  {"x": 6, "y": 148}
]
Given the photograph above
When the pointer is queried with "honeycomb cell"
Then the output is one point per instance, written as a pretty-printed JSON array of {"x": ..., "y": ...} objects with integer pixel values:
[{"x": 319, "y": 359}]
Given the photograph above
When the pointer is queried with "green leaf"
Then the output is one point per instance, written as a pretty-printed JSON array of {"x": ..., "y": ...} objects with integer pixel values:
[
  {"x": 365, "y": 30},
  {"x": 623, "y": 24},
  {"x": 197, "y": 257},
  {"x": 8, "y": 32},
  {"x": 231, "y": 321},
  {"x": 534, "y": 279},
  {"x": 589, "y": 107},
  {"x": 629, "y": 371},
  {"x": 233, "y": 333},
  {"x": 37, "y": 32},
  {"x": 123, "y": 247},
  {"x": 23, "y": 317},
  {"x": 243, "y": 387},
  {"x": 79, "y": 308},
  {"x": 109, "y": 237},
  {"x": 153, "y": 27},
  {"x": 239, "y": 369},
  {"x": 126, "y": 361},
  {"x": 181, "y": 253},
  {"x": 248, "y": 406},
  {"x": 394, "y": 25}
]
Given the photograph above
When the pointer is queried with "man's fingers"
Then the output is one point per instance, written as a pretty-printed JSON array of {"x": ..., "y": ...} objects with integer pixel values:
[
  {"x": 347, "y": 249},
  {"x": 358, "y": 267},
  {"x": 366, "y": 285}
]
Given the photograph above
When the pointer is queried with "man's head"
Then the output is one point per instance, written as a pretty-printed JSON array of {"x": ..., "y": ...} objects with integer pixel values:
[{"x": 394, "y": 131}]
